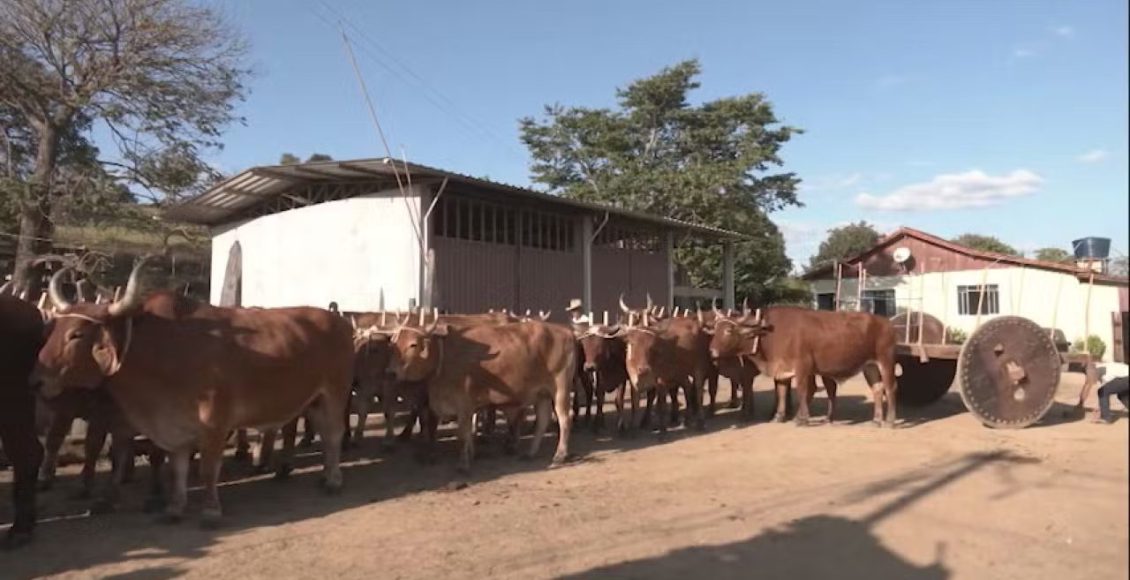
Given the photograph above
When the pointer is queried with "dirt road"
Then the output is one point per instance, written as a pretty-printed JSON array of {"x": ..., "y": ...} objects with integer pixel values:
[{"x": 940, "y": 497}]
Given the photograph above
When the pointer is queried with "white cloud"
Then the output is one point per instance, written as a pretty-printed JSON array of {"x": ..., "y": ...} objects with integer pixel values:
[
  {"x": 1023, "y": 52},
  {"x": 1064, "y": 31},
  {"x": 973, "y": 188},
  {"x": 1094, "y": 156}
]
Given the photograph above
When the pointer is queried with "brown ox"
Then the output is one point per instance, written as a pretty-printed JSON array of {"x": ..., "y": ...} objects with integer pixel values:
[
  {"x": 664, "y": 356},
  {"x": 604, "y": 370},
  {"x": 509, "y": 366},
  {"x": 796, "y": 345},
  {"x": 21, "y": 335},
  {"x": 186, "y": 374},
  {"x": 371, "y": 358}
]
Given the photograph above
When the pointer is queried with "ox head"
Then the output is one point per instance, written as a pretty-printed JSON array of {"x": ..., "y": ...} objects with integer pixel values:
[
  {"x": 644, "y": 349},
  {"x": 416, "y": 352},
  {"x": 734, "y": 337},
  {"x": 87, "y": 343},
  {"x": 598, "y": 345}
]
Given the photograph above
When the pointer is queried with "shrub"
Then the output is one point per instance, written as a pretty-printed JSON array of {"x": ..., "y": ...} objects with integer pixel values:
[
  {"x": 955, "y": 336},
  {"x": 1093, "y": 345}
]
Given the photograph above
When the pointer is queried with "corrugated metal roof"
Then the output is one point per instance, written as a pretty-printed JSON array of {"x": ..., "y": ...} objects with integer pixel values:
[{"x": 227, "y": 200}]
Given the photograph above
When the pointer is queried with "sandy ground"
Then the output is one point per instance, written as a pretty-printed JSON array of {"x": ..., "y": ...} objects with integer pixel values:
[{"x": 939, "y": 497}]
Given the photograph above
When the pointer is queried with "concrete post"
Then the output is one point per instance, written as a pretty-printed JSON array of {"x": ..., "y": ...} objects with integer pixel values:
[
  {"x": 669, "y": 250},
  {"x": 584, "y": 238},
  {"x": 728, "y": 275}
]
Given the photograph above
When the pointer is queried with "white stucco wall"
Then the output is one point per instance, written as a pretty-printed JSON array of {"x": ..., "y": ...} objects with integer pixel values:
[
  {"x": 1047, "y": 298},
  {"x": 350, "y": 251}
]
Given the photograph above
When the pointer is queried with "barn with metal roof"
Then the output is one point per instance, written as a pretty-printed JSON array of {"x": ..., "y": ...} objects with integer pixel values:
[{"x": 386, "y": 234}]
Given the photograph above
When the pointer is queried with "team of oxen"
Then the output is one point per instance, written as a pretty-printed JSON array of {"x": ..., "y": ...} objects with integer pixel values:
[{"x": 186, "y": 376}]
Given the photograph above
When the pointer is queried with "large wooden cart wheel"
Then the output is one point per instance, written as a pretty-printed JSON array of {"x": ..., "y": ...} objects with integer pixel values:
[
  {"x": 1008, "y": 371},
  {"x": 923, "y": 383}
]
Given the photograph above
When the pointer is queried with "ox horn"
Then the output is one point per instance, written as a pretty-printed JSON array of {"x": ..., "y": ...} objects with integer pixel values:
[
  {"x": 606, "y": 318},
  {"x": 421, "y": 318},
  {"x": 714, "y": 306},
  {"x": 42, "y": 302},
  {"x": 131, "y": 297},
  {"x": 7, "y": 287},
  {"x": 544, "y": 316},
  {"x": 623, "y": 305},
  {"x": 745, "y": 306},
  {"x": 353, "y": 322},
  {"x": 382, "y": 318},
  {"x": 701, "y": 318},
  {"x": 650, "y": 302},
  {"x": 56, "y": 293}
]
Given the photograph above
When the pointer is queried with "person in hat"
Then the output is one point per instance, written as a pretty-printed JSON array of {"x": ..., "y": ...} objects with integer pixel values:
[{"x": 575, "y": 312}]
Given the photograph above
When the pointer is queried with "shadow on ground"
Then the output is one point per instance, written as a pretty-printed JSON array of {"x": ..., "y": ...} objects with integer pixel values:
[{"x": 820, "y": 546}]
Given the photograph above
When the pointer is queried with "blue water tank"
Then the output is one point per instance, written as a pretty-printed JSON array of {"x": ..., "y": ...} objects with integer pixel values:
[{"x": 1091, "y": 248}]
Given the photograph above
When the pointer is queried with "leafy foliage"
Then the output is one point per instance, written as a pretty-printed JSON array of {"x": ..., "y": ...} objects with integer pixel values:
[
  {"x": 658, "y": 153},
  {"x": 1053, "y": 255},
  {"x": 986, "y": 244},
  {"x": 844, "y": 242},
  {"x": 161, "y": 77},
  {"x": 1093, "y": 345}
]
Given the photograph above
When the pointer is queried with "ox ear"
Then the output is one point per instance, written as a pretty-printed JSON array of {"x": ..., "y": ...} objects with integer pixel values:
[{"x": 107, "y": 349}]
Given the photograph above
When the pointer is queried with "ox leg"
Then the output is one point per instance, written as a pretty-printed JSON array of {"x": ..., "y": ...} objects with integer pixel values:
[
  {"x": 388, "y": 408},
  {"x": 734, "y": 403},
  {"x": 694, "y": 399},
  {"x": 543, "y": 408},
  {"x": 242, "y": 447},
  {"x": 804, "y": 384},
  {"x": 712, "y": 391},
  {"x": 211, "y": 454},
  {"x": 465, "y": 431},
  {"x": 565, "y": 422},
  {"x": 598, "y": 423},
  {"x": 622, "y": 422},
  {"x": 871, "y": 375},
  {"x": 890, "y": 388},
  {"x": 746, "y": 382},
  {"x": 514, "y": 419},
  {"x": 782, "y": 392},
  {"x": 326, "y": 416},
  {"x": 830, "y": 387},
  {"x": 156, "y": 500},
  {"x": 661, "y": 411},
  {"x": 121, "y": 449},
  {"x": 96, "y": 431},
  {"x": 285, "y": 463},
  {"x": 673, "y": 394},
  {"x": 17, "y": 435},
  {"x": 60, "y": 425},
  {"x": 174, "y": 512},
  {"x": 366, "y": 390},
  {"x": 266, "y": 452}
]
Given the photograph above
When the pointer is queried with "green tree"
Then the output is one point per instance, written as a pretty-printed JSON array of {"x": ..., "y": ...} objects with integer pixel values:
[
  {"x": 318, "y": 157},
  {"x": 161, "y": 77},
  {"x": 985, "y": 244},
  {"x": 289, "y": 159},
  {"x": 1053, "y": 255},
  {"x": 655, "y": 152},
  {"x": 844, "y": 242}
]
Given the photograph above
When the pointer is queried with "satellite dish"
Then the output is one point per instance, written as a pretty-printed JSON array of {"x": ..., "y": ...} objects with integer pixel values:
[{"x": 901, "y": 255}]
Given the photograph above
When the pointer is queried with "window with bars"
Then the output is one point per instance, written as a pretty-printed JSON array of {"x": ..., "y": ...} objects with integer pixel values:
[
  {"x": 826, "y": 301},
  {"x": 615, "y": 237},
  {"x": 969, "y": 297},
  {"x": 879, "y": 302},
  {"x": 477, "y": 221}
]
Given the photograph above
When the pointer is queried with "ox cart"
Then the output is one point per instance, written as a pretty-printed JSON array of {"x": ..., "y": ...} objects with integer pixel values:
[{"x": 1007, "y": 370}]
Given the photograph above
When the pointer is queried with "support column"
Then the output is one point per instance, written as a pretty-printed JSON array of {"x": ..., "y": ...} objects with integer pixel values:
[
  {"x": 584, "y": 237},
  {"x": 669, "y": 249},
  {"x": 728, "y": 275}
]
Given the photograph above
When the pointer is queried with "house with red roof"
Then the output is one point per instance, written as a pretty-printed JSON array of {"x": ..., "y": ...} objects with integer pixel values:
[{"x": 912, "y": 271}]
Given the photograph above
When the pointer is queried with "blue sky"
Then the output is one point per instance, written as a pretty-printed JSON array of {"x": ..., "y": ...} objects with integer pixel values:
[{"x": 1004, "y": 118}]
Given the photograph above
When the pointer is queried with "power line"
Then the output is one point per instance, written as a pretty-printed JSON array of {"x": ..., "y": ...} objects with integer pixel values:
[{"x": 368, "y": 47}]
